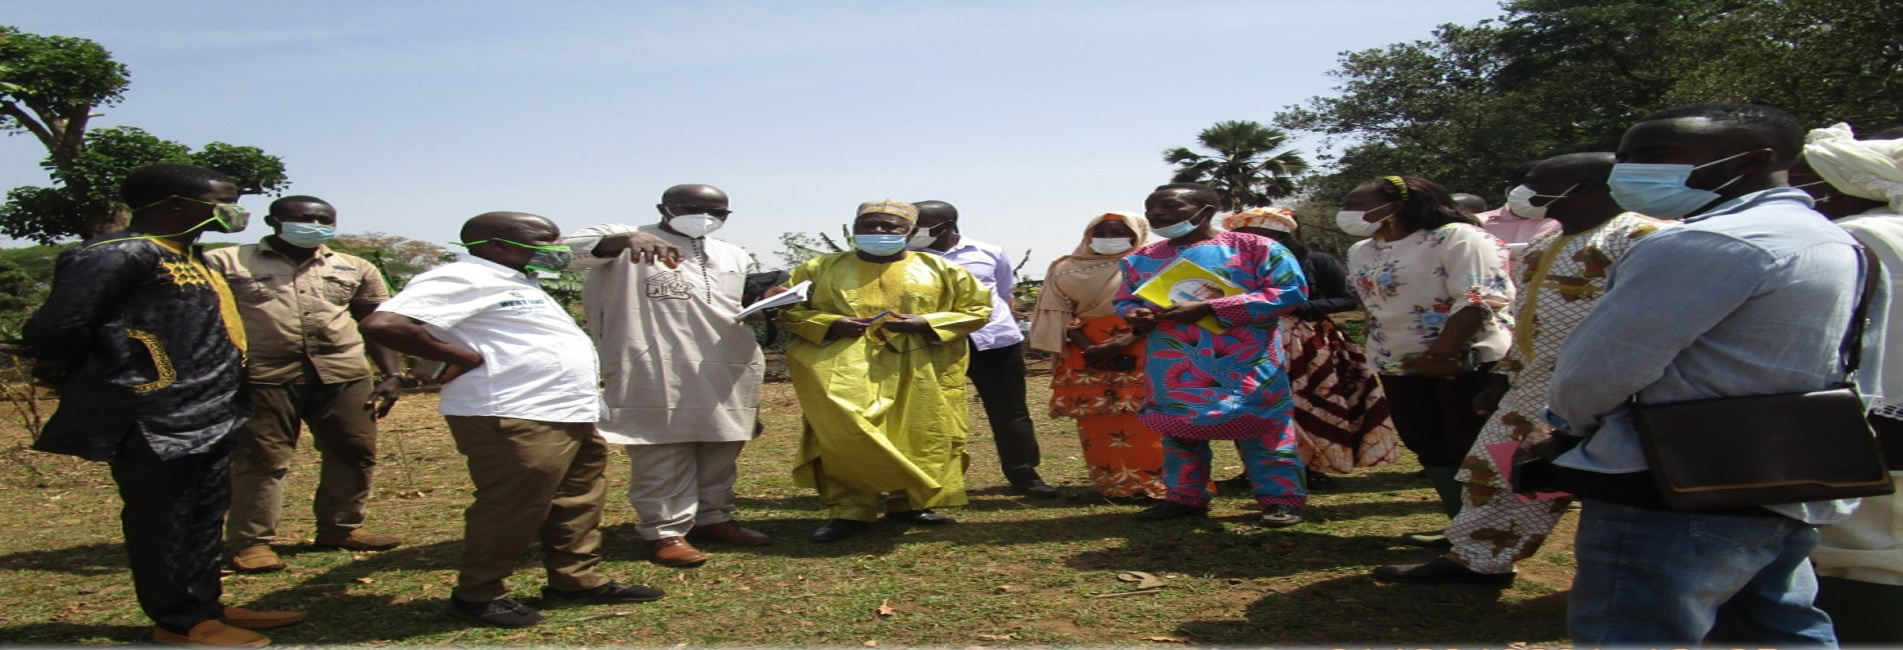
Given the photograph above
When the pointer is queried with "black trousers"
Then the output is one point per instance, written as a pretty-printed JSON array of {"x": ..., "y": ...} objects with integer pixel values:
[
  {"x": 174, "y": 520},
  {"x": 1435, "y": 417},
  {"x": 999, "y": 376}
]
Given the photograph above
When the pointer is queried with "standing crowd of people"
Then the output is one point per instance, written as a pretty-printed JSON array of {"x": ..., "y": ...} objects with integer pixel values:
[{"x": 1715, "y": 254}]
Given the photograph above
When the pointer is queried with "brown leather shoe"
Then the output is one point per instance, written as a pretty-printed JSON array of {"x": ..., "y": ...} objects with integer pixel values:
[
  {"x": 255, "y": 559},
  {"x": 360, "y": 540},
  {"x": 258, "y": 620},
  {"x": 730, "y": 532},
  {"x": 212, "y": 634},
  {"x": 676, "y": 552}
]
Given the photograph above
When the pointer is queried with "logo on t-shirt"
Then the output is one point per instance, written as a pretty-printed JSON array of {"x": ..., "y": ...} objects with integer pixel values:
[{"x": 520, "y": 303}]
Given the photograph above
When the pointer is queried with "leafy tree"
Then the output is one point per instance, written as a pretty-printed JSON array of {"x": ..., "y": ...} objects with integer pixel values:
[
  {"x": 50, "y": 87},
  {"x": 25, "y": 276},
  {"x": 400, "y": 259},
  {"x": 797, "y": 247},
  {"x": 1471, "y": 103},
  {"x": 1246, "y": 169}
]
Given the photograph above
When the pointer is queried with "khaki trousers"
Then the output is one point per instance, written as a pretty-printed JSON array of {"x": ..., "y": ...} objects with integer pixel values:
[
  {"x": 677, "y": 486},
  {"x": 533, "y": 480},
  {"x": 345, "y": 434}
]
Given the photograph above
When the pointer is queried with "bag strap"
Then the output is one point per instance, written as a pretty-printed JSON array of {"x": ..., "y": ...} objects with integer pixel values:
[{"x": 1852, "y": 350}]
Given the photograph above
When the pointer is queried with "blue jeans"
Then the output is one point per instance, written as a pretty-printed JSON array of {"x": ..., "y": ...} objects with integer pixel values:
[{"x": 1656, "y": 577}]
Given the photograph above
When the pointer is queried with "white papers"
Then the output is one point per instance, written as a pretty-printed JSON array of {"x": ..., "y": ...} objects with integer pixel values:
[{"x": 792, "y": 296}]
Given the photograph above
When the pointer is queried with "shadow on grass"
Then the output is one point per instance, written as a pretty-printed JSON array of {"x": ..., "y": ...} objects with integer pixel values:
[
  {"x": 1375, "y": 482},
  {"x": 1360, "y": 611},
  {"x": 1350, "y": 511},
  {"x": 338, "y": 614},
  {"x": 47, "y": 634},
  {"x": 87, "y": 560}
]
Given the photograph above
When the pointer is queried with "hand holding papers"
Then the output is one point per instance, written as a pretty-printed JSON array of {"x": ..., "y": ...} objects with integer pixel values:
[
  {"x": 1186, "y": 281},
  {"x": 792, "y": 296}
]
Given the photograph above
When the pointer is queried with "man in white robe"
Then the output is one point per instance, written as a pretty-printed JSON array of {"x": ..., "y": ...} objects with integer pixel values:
[{"x": 680, "y": 373}]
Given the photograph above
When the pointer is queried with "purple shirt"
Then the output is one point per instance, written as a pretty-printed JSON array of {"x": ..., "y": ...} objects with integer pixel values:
[{"x": 993, "y": 268}]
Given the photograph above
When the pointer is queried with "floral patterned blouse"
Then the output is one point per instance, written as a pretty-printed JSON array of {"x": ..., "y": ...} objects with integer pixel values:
[{"x": 1413, "y": 284}]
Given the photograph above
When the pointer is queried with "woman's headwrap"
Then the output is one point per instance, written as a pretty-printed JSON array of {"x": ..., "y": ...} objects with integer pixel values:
[
  {"x": 1867, "y": 169},
  {"x": 1081, "y": 284},
  {"x": 1277, "y": 219}
]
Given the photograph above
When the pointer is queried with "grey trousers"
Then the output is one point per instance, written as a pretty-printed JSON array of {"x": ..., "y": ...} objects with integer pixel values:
[{"x": 677, "y": 486}]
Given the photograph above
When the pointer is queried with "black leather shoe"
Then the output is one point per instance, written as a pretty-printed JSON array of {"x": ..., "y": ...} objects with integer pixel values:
[
  {"x": 926, "y": 517},
  {"x": 502, "y": 612},
  {"x": 1170, "y": 510},
  {"x": 837, "y": 529},
  {"x": 1439, "y": 571},
  {"x": 613, "y": 592},
  {"x": 1238, "y": 483},
  {"x": 1035, "y": 488}
]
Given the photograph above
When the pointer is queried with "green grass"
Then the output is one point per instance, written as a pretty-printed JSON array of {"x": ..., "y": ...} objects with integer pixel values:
[{"x": 1011, "y": 572}]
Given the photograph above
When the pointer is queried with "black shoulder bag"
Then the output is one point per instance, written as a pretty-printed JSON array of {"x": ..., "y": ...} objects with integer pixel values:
[{"x": 1760, "y": 450}]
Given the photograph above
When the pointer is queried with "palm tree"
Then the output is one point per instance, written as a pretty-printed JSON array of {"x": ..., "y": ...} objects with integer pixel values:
[{"x": 1246, "y": 169}]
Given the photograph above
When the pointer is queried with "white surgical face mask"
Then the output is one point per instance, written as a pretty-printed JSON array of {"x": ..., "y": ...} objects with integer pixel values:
[
  {"x": 1354, "y": 222},
  {"x": 695, "y": 225},
  {"x": 1520, "y": 200},
  {"x": 921, "y": 238},
  {"x": 1111, "y": 245}
]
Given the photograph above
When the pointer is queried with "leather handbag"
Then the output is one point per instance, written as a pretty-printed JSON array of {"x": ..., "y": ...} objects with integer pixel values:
[{"x": 1760, "y": 450}]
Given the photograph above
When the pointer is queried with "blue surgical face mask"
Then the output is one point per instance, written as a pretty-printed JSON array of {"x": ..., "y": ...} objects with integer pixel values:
[
  {"x": 1181, "y": 228},
  {"x": 1659, "y": 190},
  {"x": 879, "y": 245},
  {"x": 305, "y": 235}
]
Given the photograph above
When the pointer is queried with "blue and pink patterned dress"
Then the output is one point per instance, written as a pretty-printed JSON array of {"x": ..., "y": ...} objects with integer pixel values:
[{"x": 1228, "y": 386}]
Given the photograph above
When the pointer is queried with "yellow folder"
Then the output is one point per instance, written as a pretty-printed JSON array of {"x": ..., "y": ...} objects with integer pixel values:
[{"x": 1185, "y": 281}]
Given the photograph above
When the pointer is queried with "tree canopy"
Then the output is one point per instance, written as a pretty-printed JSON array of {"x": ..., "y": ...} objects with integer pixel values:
[
  {"x": 1471, "y": 103},
  {"x": 1247, "y": 169},
  {"x": 399, "y": 258},
  {"x": 51, "y": 87}
]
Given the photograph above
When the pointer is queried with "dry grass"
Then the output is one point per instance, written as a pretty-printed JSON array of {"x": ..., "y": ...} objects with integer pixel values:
[{"x": 1012, "y": 572}]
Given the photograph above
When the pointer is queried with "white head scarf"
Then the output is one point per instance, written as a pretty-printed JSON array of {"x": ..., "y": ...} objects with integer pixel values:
[{"x": 1867, "y": 169}]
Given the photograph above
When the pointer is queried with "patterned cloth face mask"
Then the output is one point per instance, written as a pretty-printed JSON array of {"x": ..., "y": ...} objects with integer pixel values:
[
  {"x": 231, "y": 217},
  {"x": 548, "y": 259}
]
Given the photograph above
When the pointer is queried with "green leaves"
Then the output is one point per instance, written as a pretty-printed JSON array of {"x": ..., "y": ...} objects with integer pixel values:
[
  {"x": 57, "y": 74},
  {"x": 1247, "y": 170},
  {"x": 1469, "y": 104},
  {"x": 49, "y": 85}
]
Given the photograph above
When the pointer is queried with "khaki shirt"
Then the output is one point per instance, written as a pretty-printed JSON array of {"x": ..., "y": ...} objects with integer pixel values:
[{"x": 298, "y": 314}]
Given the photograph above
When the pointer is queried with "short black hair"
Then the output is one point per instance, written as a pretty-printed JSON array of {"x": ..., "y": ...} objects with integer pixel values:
[
  {"x": 153, "y": 183},
  {"x": 296, "y": 198},
  {"x": 1773, "y": 127},
  {"x": 939, "y": 209},
  {"x": 1198, "y": 192}
]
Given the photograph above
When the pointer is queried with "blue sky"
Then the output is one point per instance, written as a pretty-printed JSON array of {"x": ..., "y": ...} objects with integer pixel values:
[{"x": 410, "y": 117}]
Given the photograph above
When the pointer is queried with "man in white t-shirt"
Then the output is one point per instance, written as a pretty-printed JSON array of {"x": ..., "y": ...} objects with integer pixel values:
[{"x": 519, "y": 394}]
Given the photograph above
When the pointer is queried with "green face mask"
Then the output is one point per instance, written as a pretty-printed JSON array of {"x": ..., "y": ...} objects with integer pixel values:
[
  {"x": 548, "y": 259},
  {"x": 230, "y": 217}
]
